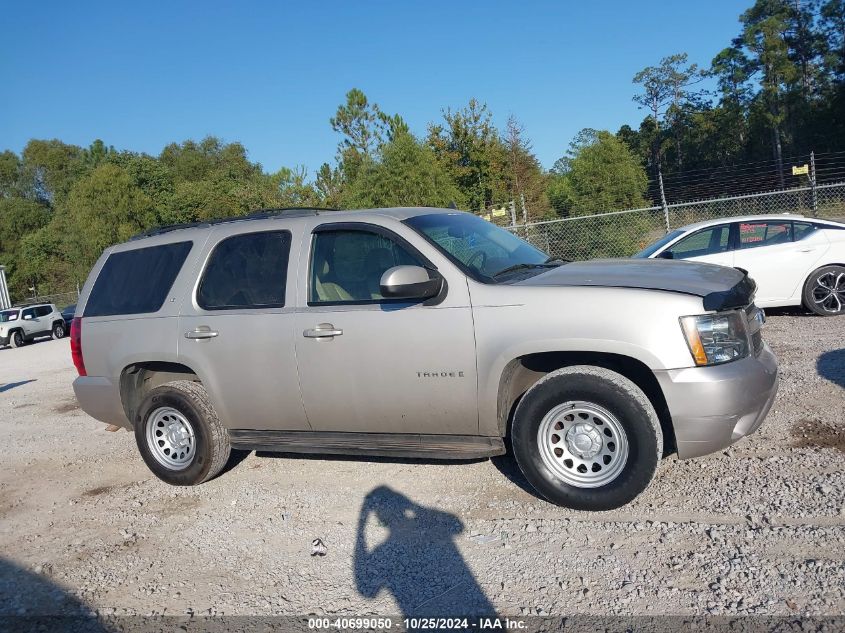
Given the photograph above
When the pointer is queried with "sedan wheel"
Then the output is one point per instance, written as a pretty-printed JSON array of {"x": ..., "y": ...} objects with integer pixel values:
[{"x": 824, "y": 291}]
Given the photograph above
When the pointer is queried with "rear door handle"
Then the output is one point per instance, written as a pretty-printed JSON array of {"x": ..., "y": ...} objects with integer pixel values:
[
  {"x": 201, "y": 332},
  {"x": 323, "y": 330},
  {"x": 806, "y": 250}
]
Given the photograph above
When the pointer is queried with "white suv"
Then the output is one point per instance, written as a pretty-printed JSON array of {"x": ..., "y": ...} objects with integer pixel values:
[{"x": 24, "y": 324}]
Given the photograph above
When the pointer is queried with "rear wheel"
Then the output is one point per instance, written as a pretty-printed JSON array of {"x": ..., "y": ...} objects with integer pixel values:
[
  {"x": 16, "y": 339},
  {"x": 58, "y": 330},
  {"x": 824, "y": 291},
  {"x": 587, "y": 438},
  {"x": 179, "y": 435}
]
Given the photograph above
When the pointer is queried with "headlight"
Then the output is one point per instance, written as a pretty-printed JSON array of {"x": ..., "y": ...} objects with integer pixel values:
[{"x": 716, "y": 338}]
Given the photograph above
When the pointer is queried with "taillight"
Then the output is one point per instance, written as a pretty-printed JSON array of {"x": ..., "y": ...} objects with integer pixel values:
[{"x": 76, "y": 345}]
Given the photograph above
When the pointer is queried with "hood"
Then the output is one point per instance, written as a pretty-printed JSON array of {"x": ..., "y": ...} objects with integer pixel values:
[{"x": 719, "y": 286}]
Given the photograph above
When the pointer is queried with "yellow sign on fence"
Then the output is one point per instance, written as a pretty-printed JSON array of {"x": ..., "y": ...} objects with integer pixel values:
[{"x": 797, "y": 171}]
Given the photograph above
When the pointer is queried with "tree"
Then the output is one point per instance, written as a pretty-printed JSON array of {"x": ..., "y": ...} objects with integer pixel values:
[
  {"x": 600, "y": 174},
  {"x": 765, "y": 26},
  {"x": 525, "y": 177},
  {"x": 468, "y": 147},
  {"x": 105, "y": 207},
  {"x": 664, "y": 90},
  {"x": 50, "y": 169},
  {"x": 406, "y": 173}
]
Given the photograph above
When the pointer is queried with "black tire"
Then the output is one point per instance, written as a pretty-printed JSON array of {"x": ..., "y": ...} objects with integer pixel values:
[
  {"x": 616, "y": 395},
  {"x": 17, "y": 339},
  {"x": 58, "y": 330},
  {"x": 211, "y": 446},
  {"x": 810, "y": 295}
]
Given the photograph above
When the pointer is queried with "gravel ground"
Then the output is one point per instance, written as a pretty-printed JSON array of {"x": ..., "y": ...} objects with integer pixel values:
[{"x": 756, "y": 529}]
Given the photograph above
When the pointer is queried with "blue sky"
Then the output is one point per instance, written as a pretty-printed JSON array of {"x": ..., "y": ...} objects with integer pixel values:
[{"x": 270, "y": 74}]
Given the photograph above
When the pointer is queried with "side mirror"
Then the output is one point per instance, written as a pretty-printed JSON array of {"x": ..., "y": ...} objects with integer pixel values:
[
  {"x": 410, "y": 282},
  {"x": 666, "y": 255},
  {"x": 27, "y": 317}
]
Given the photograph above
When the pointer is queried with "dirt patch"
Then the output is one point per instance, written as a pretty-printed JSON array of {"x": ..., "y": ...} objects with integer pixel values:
[
  {"x": 66, "y": 407},
  {"x": 815, "y": 434},
  {"x": 96, "y": 492}
]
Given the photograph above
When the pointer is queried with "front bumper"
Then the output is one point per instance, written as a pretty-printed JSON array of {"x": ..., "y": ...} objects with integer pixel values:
[
  {"x": 4, "y": 340},
  {"x": 99, "y": 397},
  {"x": 713, "y": 407}
]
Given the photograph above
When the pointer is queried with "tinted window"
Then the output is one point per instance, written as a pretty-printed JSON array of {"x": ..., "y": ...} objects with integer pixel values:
[
  {"x": 348, "y": 265},
  {"x": 246, "y": 271},
  {"x": 8, "y": 315},
  {"x": 803, "y": 229},
  {"x": 136, "y": 281},
  {"x": 43, "y": 311},
  {"x": 754, "y": 234},
  {"x": 706, "y": 242},
  {"x": 29, "y": 312}
]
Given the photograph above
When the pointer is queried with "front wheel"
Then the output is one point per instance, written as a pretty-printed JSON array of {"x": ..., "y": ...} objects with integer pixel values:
[
  {"x": 17, "y": 339},
  {"x": 587, "y": 438},
  {"x": 179, "y": 435},
  {"x": 824, "y": 291}
]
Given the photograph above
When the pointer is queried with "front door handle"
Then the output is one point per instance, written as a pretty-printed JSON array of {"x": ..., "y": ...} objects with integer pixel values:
[
  {"x": 201, "y": 332},
  {"x": 324, "y": 330},
  {"x": 806, "y": 250}
]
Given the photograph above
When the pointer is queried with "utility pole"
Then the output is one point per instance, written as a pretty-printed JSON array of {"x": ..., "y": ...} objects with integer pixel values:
[
  {"x": 663, "y": 198},
  {"x": 813, "y": 184}
]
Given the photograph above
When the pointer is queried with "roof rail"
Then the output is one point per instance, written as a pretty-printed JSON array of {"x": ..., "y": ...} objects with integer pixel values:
[{"x": 262, "y": 214}]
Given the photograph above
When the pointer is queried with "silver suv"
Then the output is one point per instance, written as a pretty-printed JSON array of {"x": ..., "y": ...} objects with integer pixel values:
[
  {"x": 416, "y": 332},
  {"x": 23, "y": 324}
]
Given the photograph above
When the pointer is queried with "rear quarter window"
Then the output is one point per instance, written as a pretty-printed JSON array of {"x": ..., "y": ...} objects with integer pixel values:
[{"x": 136, "y": 281}]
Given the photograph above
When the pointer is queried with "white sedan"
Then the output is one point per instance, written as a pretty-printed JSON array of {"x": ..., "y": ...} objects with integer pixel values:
[{"x": 794, "y": 260}]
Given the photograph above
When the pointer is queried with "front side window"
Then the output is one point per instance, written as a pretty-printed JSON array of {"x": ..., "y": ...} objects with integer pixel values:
[
  {"x": 709, "y": 241},
  {"x": 246, "y": 271},
  {"x": 652, "y": 248},
  {"x": 756, "y": 234},
  {"x": 136, "y": 281},
  {"x": 9, "y": 315},
  {"x": 347, "y": 265},
  {"x": 483, "y": 250},
  {"x": 29, "y": 313}
]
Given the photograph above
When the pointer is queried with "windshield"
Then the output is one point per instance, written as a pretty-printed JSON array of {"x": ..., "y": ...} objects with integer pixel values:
[
  {"x": 483, "y": 250},
  {"x": 9, "y": 315},
  {"x": 650, "y": 250}
]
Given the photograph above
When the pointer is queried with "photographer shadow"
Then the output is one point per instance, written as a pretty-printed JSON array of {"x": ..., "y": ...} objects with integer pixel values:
[{"x": 417, "y": 560}]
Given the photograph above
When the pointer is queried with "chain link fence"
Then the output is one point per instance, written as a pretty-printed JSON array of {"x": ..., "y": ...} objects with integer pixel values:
[{"x": 623, "y": 233}]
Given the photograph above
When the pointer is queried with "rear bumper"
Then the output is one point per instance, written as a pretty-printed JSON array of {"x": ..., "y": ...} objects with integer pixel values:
[
  {"x": 713, "y": 407},
  {"x": 99, "y": 397}
]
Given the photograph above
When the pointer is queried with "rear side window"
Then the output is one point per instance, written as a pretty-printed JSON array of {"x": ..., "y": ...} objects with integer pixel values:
[
  {"x": 43, "y": 311},
  {"x": 246, "y": 271},
  {"x": 803, "y": 229},
  {"x": 136, "y": 281},
  {"x": 755, "y": 234}
]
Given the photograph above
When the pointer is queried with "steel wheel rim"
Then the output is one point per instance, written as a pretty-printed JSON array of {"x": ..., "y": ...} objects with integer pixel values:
[
  {"x": 583, "y": 444},
  {"x": 829, "y": 292},
  {"x": 170, "y": 438}
]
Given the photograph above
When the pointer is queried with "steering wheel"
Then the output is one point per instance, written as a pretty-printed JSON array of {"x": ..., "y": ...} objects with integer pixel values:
[{"x": 480, "y": 255}]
